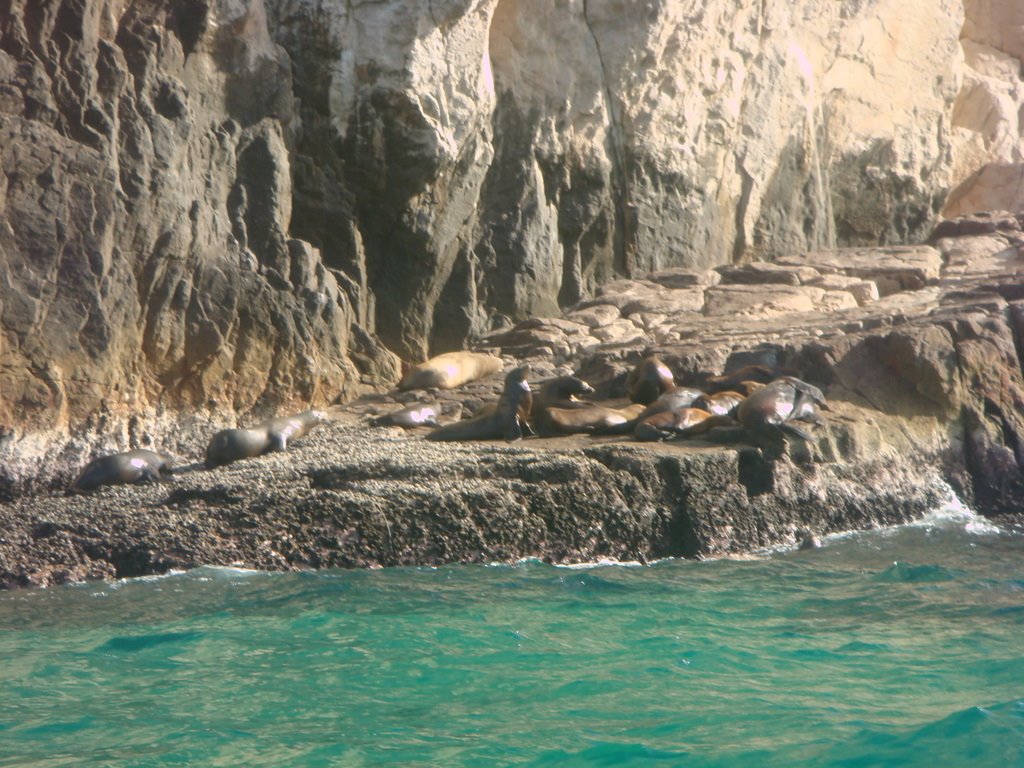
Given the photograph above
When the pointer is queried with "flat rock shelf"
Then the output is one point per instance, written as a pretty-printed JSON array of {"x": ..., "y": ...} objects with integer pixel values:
[{"x": 918, "y": 351}]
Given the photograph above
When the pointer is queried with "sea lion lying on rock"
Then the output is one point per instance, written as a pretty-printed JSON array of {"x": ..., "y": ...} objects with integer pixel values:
[
  {"x": 139, "y": 466},
  {"x": 418, "y": 415},
  {"x": 671, "y": 400},
  {"x": 757, "y": 373},
  {"x": 268, "y": 436},
  {"x": 582, "y": 420},
  {"x": 450, "y": 370},
  {"x": 719, "y": 403},
  {"x": 666, "y": 424},
  {"x": 509, "y": 420}
]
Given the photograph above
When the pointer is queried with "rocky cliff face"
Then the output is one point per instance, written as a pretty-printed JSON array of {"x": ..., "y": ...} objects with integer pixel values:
[{"x": 226, "y": 205}]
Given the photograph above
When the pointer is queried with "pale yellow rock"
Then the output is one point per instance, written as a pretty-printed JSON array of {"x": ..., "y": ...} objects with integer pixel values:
[
  {"x": 765, "y": 300},
  {"x": 863, "y": 291},
  {"x": 595, "y": 316}
]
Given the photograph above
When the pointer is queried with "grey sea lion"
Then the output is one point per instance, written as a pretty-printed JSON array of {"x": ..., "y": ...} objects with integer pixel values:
[
  {"x": 139, "y": 466},
  {"x": 450, "y": 370},
  {"x": 418, "y": 415},
  {"x": 268, "y": 436},
  {"x": 648, "y": 380},
  {"x": 807, "y": 539},
  {"x": 509, "y": 420},
  {"x": 666, "y": 424},
  {"x": 582, "y": 420},
  {"x": 561, "y": 392},
  {"x": 771, "y": 410}
]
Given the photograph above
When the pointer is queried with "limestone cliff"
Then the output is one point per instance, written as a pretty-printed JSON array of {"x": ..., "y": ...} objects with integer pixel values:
[{"x": 227, "y": 205}]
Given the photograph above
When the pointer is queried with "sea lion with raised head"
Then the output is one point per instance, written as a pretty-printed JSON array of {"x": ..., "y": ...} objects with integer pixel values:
[
  {"x": 771, "y": 410},
  {"x": 649, "y": 380},
  {"x": 139, "y": 466},
  {"x": 561, "y": 392},
  {"x": 268, "y": 436},
  {"x": 509, "y": 420},
  {"x": 806, "y": 539},
  {"x": 450, "y": 370}
]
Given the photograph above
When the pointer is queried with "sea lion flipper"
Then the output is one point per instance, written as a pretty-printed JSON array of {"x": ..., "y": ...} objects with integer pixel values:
[
  {"x": 792, "y": 429},
  {"x": 513, "y": 431}
]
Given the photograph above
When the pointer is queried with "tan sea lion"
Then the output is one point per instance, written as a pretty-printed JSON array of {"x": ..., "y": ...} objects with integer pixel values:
[
  {"x": 666, "y": 424},
  {"x": 417, "y": 415},
  {"x": 510, "y": 419},
  {"x": 671, "y": 400},
  {"x": 648, "y": 380},
  {"x": 583, "y": 420},
  {"x": 450, "y": 370},
  {"x": 268, "y": 436},
  {"x": 139, "y": 466}
]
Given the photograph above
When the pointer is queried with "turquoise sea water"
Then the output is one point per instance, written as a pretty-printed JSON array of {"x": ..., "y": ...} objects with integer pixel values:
[{"x": 902, "y": 647}]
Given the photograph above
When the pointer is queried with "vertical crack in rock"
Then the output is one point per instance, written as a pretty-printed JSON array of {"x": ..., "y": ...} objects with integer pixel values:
[{"x": 625, "y": 212}]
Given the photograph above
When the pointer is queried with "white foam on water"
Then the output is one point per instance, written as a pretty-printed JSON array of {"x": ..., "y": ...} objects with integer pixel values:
[{"x": 953, "y": 513}]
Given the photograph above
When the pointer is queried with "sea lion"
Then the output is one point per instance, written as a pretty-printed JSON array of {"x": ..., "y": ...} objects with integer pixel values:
[
  {"x": 807, "y": 539},
  {"x": 671, "y": 400},
  {"x": 417, "y": 415},
  {"x": 510, "y": 419},
  {"x": 648, "y": 380},
  {"x": 268, "y": 436},
  {"x": 772, "y": 409},
  {"x": 758, "y": 373},
  {"x": 139, "y": 466},
  {"x": 719, "y": 403},
  {"x": 450, "y": 370},
  {"x": 660, "y": 426},
  {"x": 581, "y": 420},
  {"x": 561, "y": 392}
]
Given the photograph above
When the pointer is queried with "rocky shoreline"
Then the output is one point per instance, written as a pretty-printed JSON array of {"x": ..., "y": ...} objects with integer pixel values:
[{"x": 918, "y": 350}]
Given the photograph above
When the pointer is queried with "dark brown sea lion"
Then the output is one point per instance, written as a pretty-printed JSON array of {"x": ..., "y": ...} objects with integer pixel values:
[
  {"x": 583, "y": 420},
  {"x": 450, "y": 370},
  {"x": 418, "y": 415},
  {"x": 561, "y": 392},
  {"x": 666, "y": 424},
  {"x": 268, "y": 436},
  {"x": 509, "y": 420},
  {"x": 759, "y": 373},
  {"x": 772, "y": 409},
  {"x": 139, "y": 466},
  {"x": 719, "y": 403},
  {"x": 648, "y": 380}
]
